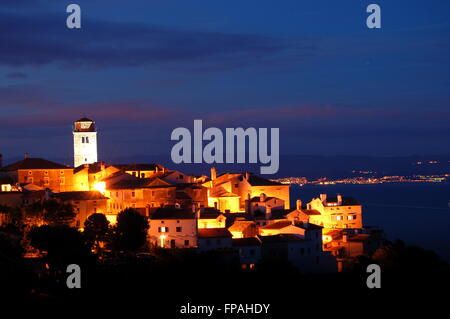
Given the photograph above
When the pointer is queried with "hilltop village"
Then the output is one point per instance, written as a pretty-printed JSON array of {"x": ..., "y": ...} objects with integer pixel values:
[{"x": 241, "y": 214}]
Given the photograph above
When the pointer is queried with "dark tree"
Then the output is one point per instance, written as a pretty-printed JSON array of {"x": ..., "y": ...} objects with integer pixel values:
[
  {"x": 13, "y": 215},
  {"x": 51, "y": 212},
  {"x": 130, "y": 232},
  {"x": 96, "y": 228},
  {"x": 10, "y": 239},
  {"x": 63, "y": 244},
  {"x": 58, "y": 213}
]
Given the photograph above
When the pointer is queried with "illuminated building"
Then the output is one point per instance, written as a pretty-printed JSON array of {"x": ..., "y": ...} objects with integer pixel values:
[
  {"x": 41, "y": 173},
  {"x": 84, "y": 203},
  {"x": 87, "y": 176},
  {"x": 249, "y": 250},
  {"x": 211, "y": 218},
  {"x": 281, "y": 227},
  {"x": 172, "y": 227},
  {"x": 300, "y": 214},
  {"x": 305, "y": 253},
  {"x": 84, "y": 142},
  {"x": 229, "y": 192},
  {"x": 265, "y": 205},
  {"x": 141, "y": 170},
  {"x": 224, "y": 201},
  {"x": 336, "y": 212},
  {"x": 243, "y": 229},
  {"x": 213, "y": 239}
]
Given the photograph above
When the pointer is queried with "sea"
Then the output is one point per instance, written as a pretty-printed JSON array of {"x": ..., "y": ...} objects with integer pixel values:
[{"x": 416, "y": 213}]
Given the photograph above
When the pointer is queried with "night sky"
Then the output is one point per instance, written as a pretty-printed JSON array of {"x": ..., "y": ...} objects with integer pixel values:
[{"x": 141, "y": 68}]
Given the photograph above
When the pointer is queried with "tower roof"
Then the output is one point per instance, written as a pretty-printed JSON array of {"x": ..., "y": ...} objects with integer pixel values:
[
  {"x": 85, "y": 119},
  {"x": 84, "y": 125}
]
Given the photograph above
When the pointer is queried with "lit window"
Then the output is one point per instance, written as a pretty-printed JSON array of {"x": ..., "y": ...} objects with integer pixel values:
[{"x": 163, "y": 229}]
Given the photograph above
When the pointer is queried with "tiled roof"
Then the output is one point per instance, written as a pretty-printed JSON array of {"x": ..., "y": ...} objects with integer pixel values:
[
  {"x": 310, "y": 212},
  {"x": 33, "y": 163},
  {"x": 131, "y": 183},
  {"x": 214, "y": 232},
  {"x": 172, "y": 213},
  {"x": 92, "y": 168},
  {"x": 257, "y": 199},
  {"x": 85, "y": 119},
  {"x": 223, "y": 193},
  {"x": 241, "y": 225},
  {"x": 278, "y": 225}
]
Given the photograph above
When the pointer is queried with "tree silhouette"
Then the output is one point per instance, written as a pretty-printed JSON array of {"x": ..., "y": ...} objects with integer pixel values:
[
  {"x": 58, "y": 213},
  {"x": 96, "y": 228},
  {"x": 130, "y": 233},
  {"x": 13, "y": 215},
  {"x": 10, "y": 238},
  {"x": 63, "y": 244},
  {"x": 51, "y": 212}
]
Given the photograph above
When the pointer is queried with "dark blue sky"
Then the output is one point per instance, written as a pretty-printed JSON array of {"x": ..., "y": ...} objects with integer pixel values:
[{"x": 141, "y": 68}]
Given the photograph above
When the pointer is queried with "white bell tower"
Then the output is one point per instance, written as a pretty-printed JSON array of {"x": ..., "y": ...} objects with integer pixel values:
[{"x": 84, "y": 142}]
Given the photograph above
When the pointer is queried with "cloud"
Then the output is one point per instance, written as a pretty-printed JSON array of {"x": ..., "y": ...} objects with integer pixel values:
[
  {"x": 298, "y": 113},
  {"x": 43, "y": 39},
  {"x": 123, "y": 113},
  {"x": 25, "y": 96},
  {"x": 17, "y": 75}
]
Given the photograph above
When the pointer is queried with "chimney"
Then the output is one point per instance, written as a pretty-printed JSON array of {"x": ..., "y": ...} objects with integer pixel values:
[
  {"x": 102, "y": 166},
  {"x": 262, "y": 197},
  {"x": 323, "y": 197},
  {"x": 268, "y": 212},
  {"x": 213, "y": 173},
  {"x": 26, "y": 155},
  {"x": 299, "y": 204},
  {"x": 47, "y": 194},
  {"x": 1, "y": 160},
  {"x": 339, "y": 199},
  {"x": 248, "y": 209}
]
